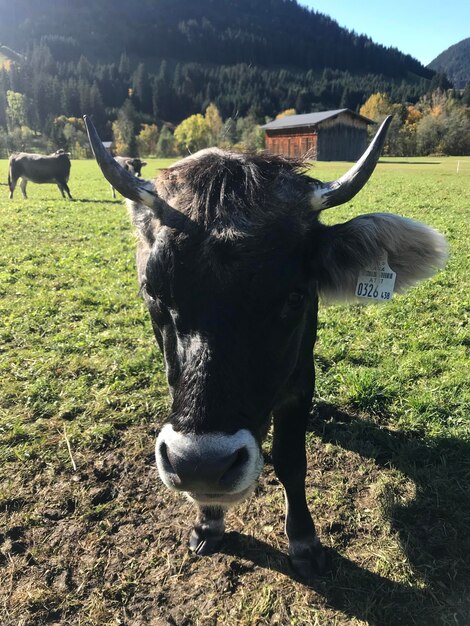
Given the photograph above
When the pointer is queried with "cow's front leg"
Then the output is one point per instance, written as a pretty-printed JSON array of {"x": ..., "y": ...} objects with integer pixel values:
[
  {"x": 305, "y": 551},
  {"x": 208, "y": 530}
]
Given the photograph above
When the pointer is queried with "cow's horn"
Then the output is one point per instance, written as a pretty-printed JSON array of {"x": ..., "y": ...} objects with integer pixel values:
[
  {"x": 327, "y": 195},
  {"x": 128, "y": 185}
]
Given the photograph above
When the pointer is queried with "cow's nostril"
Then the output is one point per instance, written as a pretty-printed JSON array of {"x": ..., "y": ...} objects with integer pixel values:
[
  {"x": 163, "y": 450},
  {"x": 232, "y": 473}
]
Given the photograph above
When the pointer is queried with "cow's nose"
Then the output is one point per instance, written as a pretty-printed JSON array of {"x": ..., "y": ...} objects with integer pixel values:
[
  {"x": 214, "y": 463},
  {"x": 209, "y": 473}
]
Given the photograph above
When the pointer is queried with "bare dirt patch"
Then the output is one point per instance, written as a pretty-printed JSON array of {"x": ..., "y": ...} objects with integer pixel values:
[{"x": 107, "y": 544}]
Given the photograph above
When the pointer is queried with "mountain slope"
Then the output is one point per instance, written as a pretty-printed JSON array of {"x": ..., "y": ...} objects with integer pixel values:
[
  {"x": 455, "y": 63},
  {"x": 173, "y": 57},
  {"x": 225, "y": 32}
]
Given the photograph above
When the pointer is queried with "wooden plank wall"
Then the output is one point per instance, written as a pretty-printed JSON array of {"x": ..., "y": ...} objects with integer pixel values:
[
  {"x": 341, "y": 142},
  {"x": 293, "y": 144}
]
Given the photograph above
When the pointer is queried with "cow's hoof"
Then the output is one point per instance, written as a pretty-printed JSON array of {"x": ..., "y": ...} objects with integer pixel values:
[
  {"x": 308, "y": 561},
  {"x": 204, "y": 543}
]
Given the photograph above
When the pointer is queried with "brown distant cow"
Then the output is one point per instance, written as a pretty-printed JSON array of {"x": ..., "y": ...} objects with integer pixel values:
[{"x": 232, "y": 258}]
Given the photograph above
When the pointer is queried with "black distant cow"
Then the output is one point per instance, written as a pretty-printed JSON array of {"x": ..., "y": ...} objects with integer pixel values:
[
  {"x": 231, "y": 260},
  {"x": 39, "y": 168},
  {"x": 132, "y": 165}
]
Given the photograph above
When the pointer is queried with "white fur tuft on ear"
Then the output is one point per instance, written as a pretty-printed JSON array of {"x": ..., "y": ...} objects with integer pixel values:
[{"x": 415, "y": 252}]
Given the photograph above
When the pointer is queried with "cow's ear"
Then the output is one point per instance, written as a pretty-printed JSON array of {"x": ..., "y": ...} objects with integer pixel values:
[
  {"x": 342, "y": 252},
  {"x": 143, "y": 163}
]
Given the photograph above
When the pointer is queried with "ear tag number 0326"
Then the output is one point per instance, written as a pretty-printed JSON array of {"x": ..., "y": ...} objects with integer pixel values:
[{"x": 376, "y": 282}]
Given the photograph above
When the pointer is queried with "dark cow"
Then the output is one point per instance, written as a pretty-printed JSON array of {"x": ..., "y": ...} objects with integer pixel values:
[
  {"x": 39, "y": 168},
  {"x": 132, "y": 165},
  {"x": 231, "y": 261}
]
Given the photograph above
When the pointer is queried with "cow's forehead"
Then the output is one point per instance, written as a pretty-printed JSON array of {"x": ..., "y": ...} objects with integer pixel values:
[
  {"x": 205, "y": 152},
  {"x": 233, "y": 194}
]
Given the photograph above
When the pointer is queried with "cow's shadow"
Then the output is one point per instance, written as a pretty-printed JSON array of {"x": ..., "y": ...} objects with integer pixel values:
[
  {"x": 101, "y": 201},
  {"x": 433, "y": 528}
]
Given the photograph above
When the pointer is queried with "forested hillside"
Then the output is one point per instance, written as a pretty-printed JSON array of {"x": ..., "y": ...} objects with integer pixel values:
[
  {"x": 150, "y": 65},
  {"x": 455, "y": 63},
  {"x": 178, "y": 55},
  {"x": 225, "y": 32}
]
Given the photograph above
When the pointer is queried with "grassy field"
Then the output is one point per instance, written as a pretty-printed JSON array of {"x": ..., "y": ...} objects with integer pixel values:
[{"x": 88, "y": 535}]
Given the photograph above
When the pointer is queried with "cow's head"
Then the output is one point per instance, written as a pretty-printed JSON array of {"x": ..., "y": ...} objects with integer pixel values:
[
  {"x": 231, "y": 259},
  {"x": 134, "y": 166}
]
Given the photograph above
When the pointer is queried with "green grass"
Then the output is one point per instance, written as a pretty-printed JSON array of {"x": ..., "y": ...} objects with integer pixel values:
[
  {"x": 74, "y": 336},
  {"x": 408, "y": 359},
  {"x": 83, "y": 383}
]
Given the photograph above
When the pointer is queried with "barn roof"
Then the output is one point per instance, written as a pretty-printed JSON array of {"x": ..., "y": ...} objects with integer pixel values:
[{"x": 310, "y": 119}]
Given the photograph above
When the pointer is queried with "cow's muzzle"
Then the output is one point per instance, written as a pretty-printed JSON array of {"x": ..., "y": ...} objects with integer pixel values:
[{"x": 213, "y": 468}]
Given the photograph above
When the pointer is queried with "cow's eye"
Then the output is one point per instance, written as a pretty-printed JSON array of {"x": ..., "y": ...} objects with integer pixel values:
[
  {"x": 295, "y": 299},
  {"x": 149, "y": 290}
]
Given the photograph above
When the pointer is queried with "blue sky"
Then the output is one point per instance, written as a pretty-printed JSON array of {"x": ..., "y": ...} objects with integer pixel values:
[{"x": 422, "y": 29}]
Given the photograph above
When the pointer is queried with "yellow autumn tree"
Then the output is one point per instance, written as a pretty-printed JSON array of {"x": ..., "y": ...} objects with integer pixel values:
[
  {"x": 192, "y": 134},
  {"x": 147, "y": 140},
  {"x": 214, "y": 124},
  {"x": 286, "y": 113},
  {"x": 413, "y": 116},
  {"x": 377, "y": 106}
]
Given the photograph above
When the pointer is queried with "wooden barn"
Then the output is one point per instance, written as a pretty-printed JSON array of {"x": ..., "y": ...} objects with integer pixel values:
[{"x": 339, "y": 135}]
